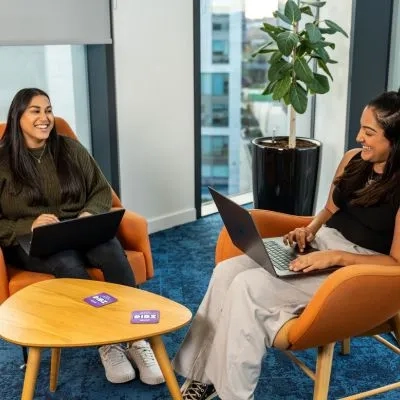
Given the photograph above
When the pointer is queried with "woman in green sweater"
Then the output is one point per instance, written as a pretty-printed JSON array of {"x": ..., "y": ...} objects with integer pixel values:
[{"x": 44, "y": 178}]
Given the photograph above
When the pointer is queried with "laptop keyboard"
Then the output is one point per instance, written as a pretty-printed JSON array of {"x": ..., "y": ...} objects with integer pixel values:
[{"x": 280, "y": 256}]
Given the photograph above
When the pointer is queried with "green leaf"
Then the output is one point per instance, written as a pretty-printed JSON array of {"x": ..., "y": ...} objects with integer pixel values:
[
  {"x": 298, "y": 98},
  {"x": 323, "y": 66},
  {"x": 275, "y": 57},
  {"x": 330, "y": 61},
  {"x": 313, "y": 33},
  {"x": 314, "y": 3},
  {"x": 336, "y": 27},
  {"x": 327, "y": 31},
  {"x": 306, "y": 10},
  {"x": 281, "y": 87},
  {"x": 292, "y": 11},
  {"x": 286, "y": 98},
  {"x": 328, "y": 44},
  {"x": 271, "y": 28},
  {"x": 278, "y": 70},
  {"x": 284, "y": 18},
  {"x": 322, "y": 53},
  {"x": 269, "y": 88},
  {"x": 259, "y": 50},
  {"x": 319, "y": 84},
  {"x": 286, "y": 42},
  {"x": 302, "y": 70}
]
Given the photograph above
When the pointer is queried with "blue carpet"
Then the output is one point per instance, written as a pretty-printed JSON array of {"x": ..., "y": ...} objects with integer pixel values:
[{"x": 183, "y": 259}]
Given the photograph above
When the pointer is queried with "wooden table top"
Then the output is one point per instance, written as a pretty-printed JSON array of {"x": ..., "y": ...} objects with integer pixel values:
[{"x": 52, "y": 313}]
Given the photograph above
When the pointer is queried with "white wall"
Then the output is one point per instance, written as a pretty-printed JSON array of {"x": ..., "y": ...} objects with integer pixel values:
[
  {"x": 331, "y": 108},
  {"x": 153, "y": 42}
]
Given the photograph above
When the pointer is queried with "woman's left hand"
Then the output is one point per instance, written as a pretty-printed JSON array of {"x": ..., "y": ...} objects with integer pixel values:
[
  {"x": 84, "y": 214},
  {"x": 315, "y": 260}
]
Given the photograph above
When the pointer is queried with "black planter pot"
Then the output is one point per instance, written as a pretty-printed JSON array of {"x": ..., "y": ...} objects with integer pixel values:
[{"x": 285, "y": 179}]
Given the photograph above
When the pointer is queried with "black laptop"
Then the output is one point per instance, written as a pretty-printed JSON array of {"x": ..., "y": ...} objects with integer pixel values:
[
  {"x": 271, "y": 253},
  {"x": 77, "y": 233}
]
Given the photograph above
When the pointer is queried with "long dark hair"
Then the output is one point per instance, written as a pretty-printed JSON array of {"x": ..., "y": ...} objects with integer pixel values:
[
  {"x": 386, "y": 109},
  {"x": 24, "y": 167}
]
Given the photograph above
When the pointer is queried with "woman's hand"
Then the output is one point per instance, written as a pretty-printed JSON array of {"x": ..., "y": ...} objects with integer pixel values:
[
  {"x": 44, "y": 219},
  {"x": 84, "y": 214},
  {"x": 300, "y": 236},
  {"x": 315, "y": 260}
]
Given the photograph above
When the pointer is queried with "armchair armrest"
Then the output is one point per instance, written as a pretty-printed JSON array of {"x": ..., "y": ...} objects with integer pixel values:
[
  {"x": 350, "y": 302},
  {"x": 269, "y": 224},
  {"x": 4, "y": 292},
  {"x": 133, "y": 235}
]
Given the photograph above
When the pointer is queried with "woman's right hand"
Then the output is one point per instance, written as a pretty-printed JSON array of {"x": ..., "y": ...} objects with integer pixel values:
[
  {"x": 300, "y": 236},
  {"x": 44, "y": 219}
]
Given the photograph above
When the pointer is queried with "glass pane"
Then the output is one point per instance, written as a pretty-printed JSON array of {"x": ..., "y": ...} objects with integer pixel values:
[
  {"x": 233, "y": 111},
  {"x": 58, "y": 70}
]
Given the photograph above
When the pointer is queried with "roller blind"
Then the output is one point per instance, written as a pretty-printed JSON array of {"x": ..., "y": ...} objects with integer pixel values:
[{"x": 43, "y": 22}]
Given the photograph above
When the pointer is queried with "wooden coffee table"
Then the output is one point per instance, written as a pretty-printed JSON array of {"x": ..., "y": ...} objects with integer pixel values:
[{"x": 52, "y": 314}]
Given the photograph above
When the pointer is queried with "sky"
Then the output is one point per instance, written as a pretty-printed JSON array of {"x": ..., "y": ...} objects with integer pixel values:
[
  {"x": 252, "y": 8},
  {"x": 260, "y": 8}
]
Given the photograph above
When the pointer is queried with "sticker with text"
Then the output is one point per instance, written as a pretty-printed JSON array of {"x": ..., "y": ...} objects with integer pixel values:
[
  {"x": 100, "y": 299},
  {"x": 145, "y": 317}
]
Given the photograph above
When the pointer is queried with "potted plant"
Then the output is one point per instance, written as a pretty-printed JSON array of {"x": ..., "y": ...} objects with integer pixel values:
[{"x": 285, "y": 168}]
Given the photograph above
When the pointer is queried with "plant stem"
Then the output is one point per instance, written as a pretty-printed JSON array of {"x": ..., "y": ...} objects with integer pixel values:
[
  {"x": 292, "y": 127},
  {"x": 292, "y": 112}
]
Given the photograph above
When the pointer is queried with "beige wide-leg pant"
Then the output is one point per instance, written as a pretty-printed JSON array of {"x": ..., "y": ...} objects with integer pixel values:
[{"x": 241, "y": 312}]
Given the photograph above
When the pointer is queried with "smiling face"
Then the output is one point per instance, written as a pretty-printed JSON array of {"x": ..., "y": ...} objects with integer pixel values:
[
  {"x": 375, "y": 147},
  {"x": 37, "y": 121}
]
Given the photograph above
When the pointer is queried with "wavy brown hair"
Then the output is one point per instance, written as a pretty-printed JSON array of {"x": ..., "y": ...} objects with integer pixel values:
[
  {"x": 386, "y": 109},
  {"x": 22, "y": 165}
]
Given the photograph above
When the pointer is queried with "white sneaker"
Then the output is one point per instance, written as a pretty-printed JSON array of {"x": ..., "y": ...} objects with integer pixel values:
[
  {"x": 142, "y": 356},
  {"x": 117, "y": 367}
]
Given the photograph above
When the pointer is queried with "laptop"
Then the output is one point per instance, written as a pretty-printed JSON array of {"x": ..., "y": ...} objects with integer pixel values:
[
  {"x": 76, "y": 233},
  {"x": 271, "y": 254}
]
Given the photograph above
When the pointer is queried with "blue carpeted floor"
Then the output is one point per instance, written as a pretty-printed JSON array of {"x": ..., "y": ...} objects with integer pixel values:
[{"x": 183, "y": 258}]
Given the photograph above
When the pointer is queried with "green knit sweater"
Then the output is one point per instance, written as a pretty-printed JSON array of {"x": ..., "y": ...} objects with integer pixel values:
[{"x": 17, "y": 216}]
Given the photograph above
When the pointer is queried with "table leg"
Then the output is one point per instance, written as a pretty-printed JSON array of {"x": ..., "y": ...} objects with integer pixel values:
[
  {"x": 166, "y": 367},
  {"x": 32, "y": 369},
  {"x": 54, "y": 367}
]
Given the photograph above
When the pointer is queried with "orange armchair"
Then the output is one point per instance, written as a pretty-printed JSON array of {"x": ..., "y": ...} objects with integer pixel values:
[
  {"x": 358, "y": 300},
  {"x": 132, "y": 233}
]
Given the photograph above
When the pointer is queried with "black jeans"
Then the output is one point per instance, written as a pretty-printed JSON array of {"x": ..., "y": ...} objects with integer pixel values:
[{"x": 109, "y": 257}]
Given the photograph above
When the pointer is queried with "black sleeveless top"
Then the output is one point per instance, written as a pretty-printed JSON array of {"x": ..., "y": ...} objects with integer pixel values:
[{"x": 371, "y": 227}]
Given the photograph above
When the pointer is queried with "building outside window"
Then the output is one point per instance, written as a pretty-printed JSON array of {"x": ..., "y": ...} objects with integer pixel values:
[
  {"x": 220, "y": 51},
  {"x": 232, "y": 83},
  {"x": 215, "y": 164}
]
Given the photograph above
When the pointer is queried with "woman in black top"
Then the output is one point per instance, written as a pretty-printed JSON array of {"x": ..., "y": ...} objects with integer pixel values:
[
  {"x": 363, "y": 204},
  {"x": 245, "y": 306}
]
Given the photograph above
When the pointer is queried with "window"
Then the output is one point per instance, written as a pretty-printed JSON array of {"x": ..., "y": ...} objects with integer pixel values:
[
  {"x": 220, "y": 116},
  {"x": 232, "y": 106},
  {"x": 220, "y": 51},
  {"x": 215, "y": 164},
  {"x": 220, "y": 22}
]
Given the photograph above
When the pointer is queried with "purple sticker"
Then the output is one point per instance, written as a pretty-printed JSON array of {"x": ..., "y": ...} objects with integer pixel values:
[
  {"x": 100, "y": 299},
  {"x": 145, "y": 317}
]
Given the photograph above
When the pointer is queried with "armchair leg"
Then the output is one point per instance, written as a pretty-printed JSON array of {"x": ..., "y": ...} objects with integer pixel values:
[
  {"x": 345, "y": 346},
  {"x": 323, "y": 371},
  {"x": 396, "y": 327}
]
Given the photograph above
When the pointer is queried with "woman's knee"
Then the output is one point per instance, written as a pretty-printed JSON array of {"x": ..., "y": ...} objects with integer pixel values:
[
  {"x": 231, "y": 267},
  {"x": 67, "y": 264},
  {"x": 255, "y": 279},
  {"x": 110, "y": 251}
]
